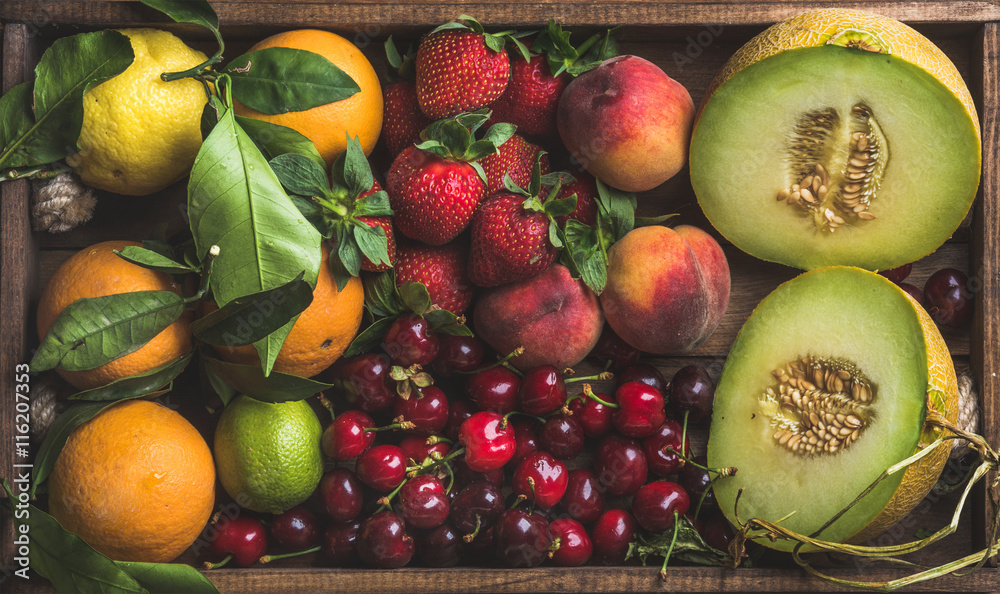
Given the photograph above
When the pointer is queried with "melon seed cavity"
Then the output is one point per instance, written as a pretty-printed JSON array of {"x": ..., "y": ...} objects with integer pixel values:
[{"x": 818, "y": 405}]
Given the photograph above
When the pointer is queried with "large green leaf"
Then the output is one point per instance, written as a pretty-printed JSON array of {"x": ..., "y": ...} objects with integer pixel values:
[
  {"x": 91, "y": 332},
  {"x": 274, "y": 140},
  {"x": 168, "y": 578},
  {"x": 250, "y": 380},
  {"x": 15, "y": 121},
  {"x": 246, "y": 320},
  {"x": 136, "y": 385},
  {"x": 196, "y": 12},
  {"x": 236, "y": 202},
  {"x": 277, "y": 80}
]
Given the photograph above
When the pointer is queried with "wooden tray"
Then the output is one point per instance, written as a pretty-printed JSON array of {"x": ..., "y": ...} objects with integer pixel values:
[{"x": 690, "y": 41}]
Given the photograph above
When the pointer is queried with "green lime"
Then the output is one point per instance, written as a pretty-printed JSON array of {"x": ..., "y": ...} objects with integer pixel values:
[{"x": 268, "y": 454}]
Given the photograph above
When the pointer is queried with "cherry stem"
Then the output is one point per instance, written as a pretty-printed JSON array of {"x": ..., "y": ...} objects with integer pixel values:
[
  {"x": 269, "y": 558},
  {"x": 436, "y": 439},
  {"x": 531, "y": 485},
  {"x": 472, "y": 535},
  {"x": 404, "y": 425},
  {"x": 386, "y": 502},
  {"x": 412, "y": 471},
  {"x": 670, "y": 550},
  {"x": 554, "y": 546},
  {"x": 704, "y": 494},
  {"x": 589, "y": 393},
  {"x": 327, "y": 405},
  {"x": 503, "y": 361},
  {"x": 721, "y": 472},
  {"x": 518, "y": 500},
  {"x": 222, "y": 563},
  {"x": 604, "y": 375}
]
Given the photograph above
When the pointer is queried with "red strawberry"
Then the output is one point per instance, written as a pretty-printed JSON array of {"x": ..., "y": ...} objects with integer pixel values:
[
  {"x": 516, "y": 157},
  {"x": 531, "y": 98},
  {"x": 585, "y": 188},
  {"x": 440, "y": 268},
  {"x": 509, "y": 243},
  {"x": 460, "y": 68},
  {"x": 402, "y": 119},
  {"x": 386, "y": 224},
  {"x": 433, "y": 198}
]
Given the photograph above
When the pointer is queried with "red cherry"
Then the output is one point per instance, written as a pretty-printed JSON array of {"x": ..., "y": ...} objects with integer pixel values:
[
  {"x": 655, "y": 504},
  {"x": 522, "y": 539},
  {"x": 611, "y": 535},
  {"x": 488, "y": 440},
  {"x": 382, "y": 467},
  {"x": 898, "y": 274},
  {"x": 439, "y": 547},
  {"x": 295, "y": 528},
  {"x": 717, "y": 531},
  {"x": 693, "y": 392},
  {"x": 610, "y": 347},
  {"x": 640, "y": 410},
  {"x": 415, "y": 448},
  {"x": 342, "y": 494},
  {"x": 543, "y": 391},
  {"x": 477, "y": 506},
  {"x": 346, "y": 437},
  {"x": 643, "y": 373},
  {"x": 494, "y": 389},
  {"x": 947, "y": 297},
  {"x": 243, "y": 537},
  {"x": 458, "y": 353},
  {"x": 338, "y": 543},
  {"x": 562, "y": 436},
  {"x": 574, "y": 546},
  {"x": 620, "y": 464},
  {"x": 409, "y": 341},
  {"x": 465, "y": 476},
  {"x": 662, "y": 446},
  {"x": 426, "y": 408},
  {"x": 422, "y": 502},
  {"x": 914, "y": 292},
  {"x": 383, "y": 541},
  {"x": 594, "y": 417},
  {"x": 526, "y": 437},
  {"x": 541, "y": 478},
  {"x": 365, "y": 381},
  {"x": 584, "y": 497}
]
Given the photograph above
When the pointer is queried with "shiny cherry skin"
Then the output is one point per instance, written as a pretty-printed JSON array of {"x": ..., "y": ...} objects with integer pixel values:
[
  {"x": 541, "y": 478},
  {"x": 898, "y": 274},
  {"x": 465, "y": 476},
  {"x": 476, "y": 507},
  {"x": 620, "y": 464},
  {"x": 409, "y": 341},
  {"x": 692, "y": 391},
  {"x": 439, "y": 547},
  {"x": 338, "y": 543},
  {"x": 584, "y": 497},
  {"x": 594, "y": 417},
  {"x": 365, "y": 381},
  {"x": 494, "y": 389},
  {"x": 243, "y": 537},
  {"x": 543, "y": 391},
  {"x": 383, "y": 467},
  {"x": 459, "y": 409},
  {"x": 655, "y": 503},
  {"x": 342, "y": 494},
  {"x": 947, "y": 298},
  {"x": 521, "y": 539},
  {"x": 642, "y": 373},
  {"x": 348, "y": 436},
  {"x": 489, "y": 441},
  {"x": 610, "y": 347},
  {"x": 562, "y": 436},
  {"x": 526, "y": 436},
  {"x": 383, "y": 541},
  {"x": 574, "y": 546},
  {"x": 641, "y": 410},
  {"x": 696, "y": 482},
  {"x": 415, "y": 448},
  {"x": 295, "y": 528},
  {"x": 422, "y": 502},
  {"x": 657, "y": 447},
  {"x": 458, "y": 354},
  {"x": 426, "y": 408},
  {"x": 611, "y": 535}
]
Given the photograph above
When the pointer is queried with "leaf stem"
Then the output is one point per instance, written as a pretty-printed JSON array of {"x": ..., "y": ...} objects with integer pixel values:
[
  {"x": 35, "y": 173},
  {"x": 197, "y": 70}
]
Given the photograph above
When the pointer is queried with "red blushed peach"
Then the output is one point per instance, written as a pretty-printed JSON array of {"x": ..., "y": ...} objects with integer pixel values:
[
  {"x": 627, "y": 122},
  {"x": 667, "y": 288},
  {"x": 556, "y": 318}
]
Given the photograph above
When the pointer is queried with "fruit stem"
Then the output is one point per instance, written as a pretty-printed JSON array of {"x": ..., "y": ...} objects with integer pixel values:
[
  {"x": 222, "y": 563},
  {"x": 386, "y": 502},
  {"x": 472, "y": 535},
  {"x": 404, "y": 425},
  {"x": 670, "y": 550},
  {"x": 589, "y": 393},
  {"x": 556, "y": 543},
  {"x": 412, "y": 471},
  {"x": 721, "y": 472},
  {"x": 604, "y": 375},
  {"x": 206, "y": 275},
  {"x": 269, "y": 558},
  {"x": 323, "y": 400},
  {"x": 215, "y": 59}
]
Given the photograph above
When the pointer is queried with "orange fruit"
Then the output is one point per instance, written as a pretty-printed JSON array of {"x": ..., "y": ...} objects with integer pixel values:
[
  {"x": 97, "y": 271},
  {"x": 328, "y": 125},
  {"x": 321, "y": 334},
  {"x": 136, "y": 482}
]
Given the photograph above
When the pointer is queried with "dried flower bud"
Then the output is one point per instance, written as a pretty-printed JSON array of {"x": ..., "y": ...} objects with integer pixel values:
[{"x": 61, "y": 203}]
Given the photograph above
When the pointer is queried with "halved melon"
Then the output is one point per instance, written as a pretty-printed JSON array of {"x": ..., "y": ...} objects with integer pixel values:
[
  {"x": 826, "y": 386},
  {"x": 837, "y": 137}
]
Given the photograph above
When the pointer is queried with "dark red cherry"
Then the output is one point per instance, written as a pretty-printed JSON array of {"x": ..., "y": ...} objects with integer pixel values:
[
  {"x": 562, "y": 436},
  {"x": 620, "y": 464},
  {"x": 439, "y": 547},
  {"x": 383, "y": 541},
  {"x": 346, "y": 437},
  {"x": 643, "y": 373},
  {"x": 655, "y": 503},
  {"x": 295, "y": 528},
  {"x": 426, "y": 408},
  {"x": 382, "y": 467},
  {"x": 243, "y": 537},
  {"x": 696, "y": 482},
  {"x": 422, "y": 502},
  {"x": 693, "y": 392},
  {"x": 611, "y": 535},
  {"x": 573, "y": 546},
  {"x": 717, "y": 531},
  {"x": 661, "y": 448},
  {"x": 488, "y": 440},
  {"x": 898, "y": 274},
  {"x": 365, "y": 382},
  {"x": 459, "y": 409},
  {"x": 948, "y": 298},
  {"x": 409, "y": 341},
  {"x": 541, "y": 478},
  {"x": 584, "y": 497},
  {"x": 610, "y": 347},
  {"x": 339, "y": 539},
  {"x": 914, "y": 292},
  {"x": 465, "y": 476},
  {"x": 458, "y": 353},
  {"x": 594, "y": 417},
  {"x": 415, "y": 448},
  {"x": 526, "y": 436},
  {"x": 478, "y": 505},
  {"x": 342, "y": 494},
  {"x": 640, "y": 410},
  {"x": 521, "y": 539},
  {"x": 543, "y": 391},
  {"x": 494, "y": 389}
]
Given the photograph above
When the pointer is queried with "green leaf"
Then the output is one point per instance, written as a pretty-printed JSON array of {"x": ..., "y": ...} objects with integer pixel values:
[
  {"x": 300, "y": 175},
  {"x": 91, "y": 332},
  {"x": 59, "y": 432},
  {"x": 355, "y": 171},
  {"x": 277, "y": 80},
  {"x": 168, "y": 578},
  {"x": 250, "y": 318},
  {"x": 415, "y": 297},
  {"x": 66, "y": 70},
  {"x": 196, "y": 12},
  {"x": 314, "y": 213},
  {"x": 153, "y": 260},
  {"x": 658, "y": 220},
  {"x": 273, "y": 140},
  {"x": 65, "y": 559},
  {"x": 250, "y": 380},
  {"x": 137, "y": 385},
  {"x": 236, "y": 202},
  {"x": 373, "y": 205},
  {"x": 210, "y": 115},
  {"x": 618, "y": 206},
  {"x": 15, "y": 121},
  {"x": 381, "y": 295},
  {"x": 583, "y": 247},
  {"x": 373, "y": 243},
  {"x": 688, "y": 546},
  {"x": 446, "y": 322},
  {"x": 561, "y": 207},
  {"x": 368, "y": 339}
]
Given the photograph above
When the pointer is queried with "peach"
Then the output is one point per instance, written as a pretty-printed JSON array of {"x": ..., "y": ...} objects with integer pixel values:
[
  {"x": 627, "y": 122},
  {"x": 667, "y": 288},
  {"x": 556, "y": 318}
]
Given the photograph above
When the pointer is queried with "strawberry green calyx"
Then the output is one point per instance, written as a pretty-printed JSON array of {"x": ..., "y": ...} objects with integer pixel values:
[
  {"x": 454, "y": 138},
  {"x": 554, "y": 43},
  {"x": 399, "y": 66},
  {"x": 494, "y": 41},
  {"x": 550, "y": 206}
]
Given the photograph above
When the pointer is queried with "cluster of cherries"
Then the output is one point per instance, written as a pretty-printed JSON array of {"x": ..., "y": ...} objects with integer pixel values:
[
  {"x": 946, "y": 295},
  {"x": 484, "y": 476}
]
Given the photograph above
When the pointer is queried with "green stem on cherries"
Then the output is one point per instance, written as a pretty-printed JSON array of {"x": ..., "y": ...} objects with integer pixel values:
[
  {"x": 505, "y": 361},
  {"x": 398, "y": 425},
  {"x": 670, "y": 550},
  {"x": 385, "y": 503},
  {"x": 604, "y": 375},
  {"x": 209, "y": 565},
  {"x": 721, "y": 472},
  {"x": 472, "y": 535},
  {"x": 589, "y": 393},
  {"x": 323, "y": 400},
  {"x": 269, "y": 558}
]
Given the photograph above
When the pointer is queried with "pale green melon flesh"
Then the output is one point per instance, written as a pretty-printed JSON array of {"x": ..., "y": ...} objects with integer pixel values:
[
  {"x": 833, "y": 312},
  {"x": 739, "y": 158}
]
